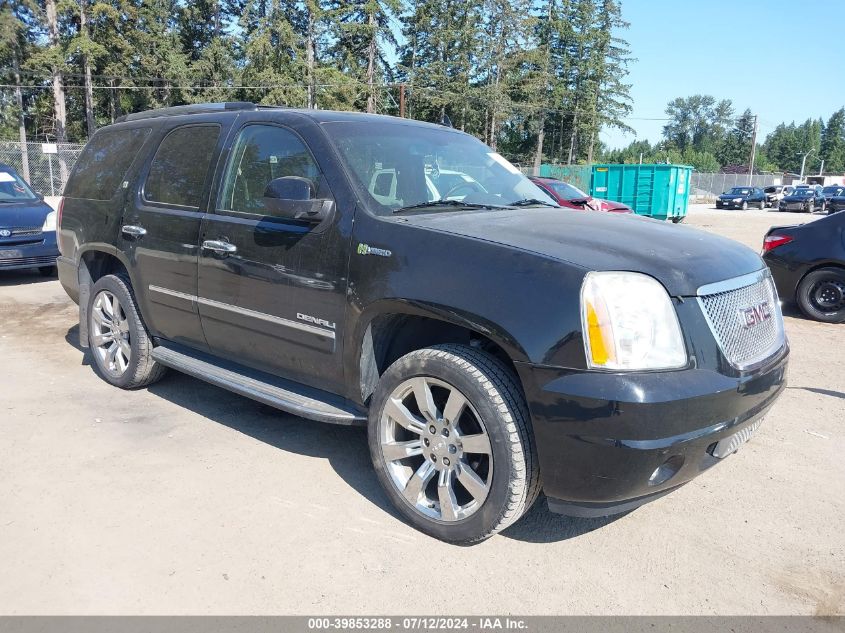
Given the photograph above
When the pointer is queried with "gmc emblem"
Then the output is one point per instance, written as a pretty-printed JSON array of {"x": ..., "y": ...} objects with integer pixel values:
[{"x": 755, "y": 315}]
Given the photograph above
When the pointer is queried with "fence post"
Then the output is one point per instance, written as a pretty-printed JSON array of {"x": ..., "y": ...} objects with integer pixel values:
[{"x": 50, "y": 165}]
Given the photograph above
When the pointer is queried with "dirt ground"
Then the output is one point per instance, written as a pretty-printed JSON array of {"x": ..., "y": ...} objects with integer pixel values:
[{"x": 186, "y": 499}]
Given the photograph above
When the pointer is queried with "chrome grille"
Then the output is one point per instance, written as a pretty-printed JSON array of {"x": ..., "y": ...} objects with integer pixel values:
[
  {"x": 736, "y": 312},
  {"x": 23, "y": 231}
]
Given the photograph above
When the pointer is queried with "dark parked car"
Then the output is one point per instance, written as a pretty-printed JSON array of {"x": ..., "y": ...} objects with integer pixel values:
[
  {"x": 806, "y": 199},
  {"x": 832, "y": 191},
  {"x": 808, "y": 265},
  {"x": 742, "y": 198},
  {"x": 494, "y": 346},
  {"x": 572, "y": 197},
  {"x": 837, "y": 203},
  {"x": 27, "y": 226}
]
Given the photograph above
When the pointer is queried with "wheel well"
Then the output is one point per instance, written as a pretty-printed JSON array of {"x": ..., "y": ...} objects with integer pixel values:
[
  {"x": 92, "y": 266},
  {"x": 98, "y": 264},
  {"x": 391, "y": 336}
]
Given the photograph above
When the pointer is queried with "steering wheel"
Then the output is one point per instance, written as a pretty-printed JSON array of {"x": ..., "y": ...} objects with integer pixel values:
[{"x": 469, "y": 184}]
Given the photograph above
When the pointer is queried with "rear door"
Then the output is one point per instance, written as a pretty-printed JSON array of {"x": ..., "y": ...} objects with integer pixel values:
[{"x": 161, "y": 227}]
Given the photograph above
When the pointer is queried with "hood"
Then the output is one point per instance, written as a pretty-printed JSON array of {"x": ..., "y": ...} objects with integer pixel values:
[
  {"x": 681, "y": 258},
  {"x": 797, "y": 198},
  {"x": 24, "y": 213},
  {"x": 609, "y": 205}
]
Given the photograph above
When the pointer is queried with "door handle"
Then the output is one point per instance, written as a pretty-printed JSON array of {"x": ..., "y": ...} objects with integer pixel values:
[
  {"x": 220, "y": 247},
  {"x": 130, "y": 230}
]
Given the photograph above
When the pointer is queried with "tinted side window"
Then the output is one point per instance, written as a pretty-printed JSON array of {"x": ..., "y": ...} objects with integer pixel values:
[
  {"x": 261, "y": 154},
  {"x": 104, "y": 162},
  {"x": 178, "y": 171}
]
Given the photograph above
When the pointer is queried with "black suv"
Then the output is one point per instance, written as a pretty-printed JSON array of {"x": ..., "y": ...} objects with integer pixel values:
[{"x": 494, "y": 344}]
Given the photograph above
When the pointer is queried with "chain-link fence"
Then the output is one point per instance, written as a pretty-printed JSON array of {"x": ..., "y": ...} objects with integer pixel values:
[
  {"x": 46, "y": 166},
  {"x": 705, "y": 187}
]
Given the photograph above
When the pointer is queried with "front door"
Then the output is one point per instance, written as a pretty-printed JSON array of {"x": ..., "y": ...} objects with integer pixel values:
[
  {"x": 161, "y": 224},
  {"x": 272, "y": 291}
]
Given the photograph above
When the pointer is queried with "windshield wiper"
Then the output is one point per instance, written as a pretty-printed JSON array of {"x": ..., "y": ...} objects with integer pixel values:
[
  {"x": 447, "y": 203},
  {"x": 530, "y": 202}
]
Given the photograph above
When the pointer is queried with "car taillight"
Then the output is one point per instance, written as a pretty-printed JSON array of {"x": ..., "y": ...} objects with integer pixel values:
[
  {"x": 59, "y": 210},
  {"x": 773, "y": 241}
]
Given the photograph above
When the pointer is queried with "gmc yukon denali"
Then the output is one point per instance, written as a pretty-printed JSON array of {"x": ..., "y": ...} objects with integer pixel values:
[{"x": 369, "y": 270}]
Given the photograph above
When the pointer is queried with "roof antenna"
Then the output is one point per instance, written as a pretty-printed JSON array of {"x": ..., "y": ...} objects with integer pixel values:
[{"x": 445, "y": 120}]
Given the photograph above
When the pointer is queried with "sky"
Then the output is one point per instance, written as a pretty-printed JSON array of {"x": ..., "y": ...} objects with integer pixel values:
[{"x": 784, "y": 60}]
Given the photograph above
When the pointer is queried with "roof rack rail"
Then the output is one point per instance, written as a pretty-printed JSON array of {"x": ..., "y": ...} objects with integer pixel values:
[{"x": 196, "y": 108}]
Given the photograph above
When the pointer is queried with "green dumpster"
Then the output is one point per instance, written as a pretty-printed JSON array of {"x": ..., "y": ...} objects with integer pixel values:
[{"x": 658, "y": 191}]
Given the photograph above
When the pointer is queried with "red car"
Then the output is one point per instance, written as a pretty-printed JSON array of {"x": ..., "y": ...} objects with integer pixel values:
[{"x": 572, "y": 197}]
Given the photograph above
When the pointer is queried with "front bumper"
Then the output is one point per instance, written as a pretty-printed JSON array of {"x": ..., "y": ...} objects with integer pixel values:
[
  {"x": 610, "y": 442},
  {"x": 15, "y": 255}
]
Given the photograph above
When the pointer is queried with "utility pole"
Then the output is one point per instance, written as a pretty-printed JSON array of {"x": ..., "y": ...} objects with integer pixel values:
[
  {"x": 753, "y": 152},
  {"x": 804, "y": 162},
  {"x": 821, "y": 169}
]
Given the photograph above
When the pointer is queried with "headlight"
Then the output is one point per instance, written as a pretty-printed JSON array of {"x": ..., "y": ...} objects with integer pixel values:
[
  {"x": 50, "y": 222},
  {"x": 629, "y": 322}
]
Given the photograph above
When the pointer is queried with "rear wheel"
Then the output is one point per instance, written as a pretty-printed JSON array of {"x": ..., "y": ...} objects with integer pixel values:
[
  {"x": 119, "y": 341},
  {"x": 762, "y": 204},
  {"x": 821, "y": 295},
  {"x": 451, "y": 443}
]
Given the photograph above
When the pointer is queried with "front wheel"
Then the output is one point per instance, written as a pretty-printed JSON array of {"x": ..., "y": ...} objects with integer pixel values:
[
  {"x": 821, "y": 295},
  {"x": 744, "y": 206},
  {"x": 451, "y": 442},
  {"x": 119, "y": 341}
]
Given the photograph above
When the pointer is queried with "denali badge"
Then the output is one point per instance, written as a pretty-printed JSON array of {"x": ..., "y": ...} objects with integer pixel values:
[
  {"x": 755, "y": 315},
  {"x": 314, "y": 320}
]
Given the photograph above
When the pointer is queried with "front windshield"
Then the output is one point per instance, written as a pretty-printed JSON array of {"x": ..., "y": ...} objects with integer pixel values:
[
  {"x": 739, "y": 191},
  {"x": 803, "y": 193},
  {"x": 835, "y": 191},
  {"x": 402, "y": 165},
  {"x": 566, "y": 191},
  {"x": 13, "y": 187}
]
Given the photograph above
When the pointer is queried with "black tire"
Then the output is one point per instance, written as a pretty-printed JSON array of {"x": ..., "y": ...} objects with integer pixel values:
[
  {"x": 762, "y": 205},
  {"x": 141, "y": 369},
  {"x": 47, "y": 271},
  {"x": 744, "y": 206},
  {"x": 818, "y": 285},
  {"x": 494, "y": 392}
]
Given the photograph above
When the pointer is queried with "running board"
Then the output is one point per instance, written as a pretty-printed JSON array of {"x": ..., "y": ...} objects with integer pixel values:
[{"x": 275, "y": 392}]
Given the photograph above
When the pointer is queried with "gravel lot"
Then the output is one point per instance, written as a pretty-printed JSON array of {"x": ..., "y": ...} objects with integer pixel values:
[{"x": 186, "y": 499}]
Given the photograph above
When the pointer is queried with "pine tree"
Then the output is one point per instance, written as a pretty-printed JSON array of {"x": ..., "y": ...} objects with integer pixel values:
[
  {"x": 362, "y": 33},
  {"x": 439, "y": 58},
  {"x": 833, "y": 142}
]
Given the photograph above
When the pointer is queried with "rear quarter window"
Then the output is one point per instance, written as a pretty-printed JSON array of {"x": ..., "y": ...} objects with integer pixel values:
[{"x": 104, "y": 162}]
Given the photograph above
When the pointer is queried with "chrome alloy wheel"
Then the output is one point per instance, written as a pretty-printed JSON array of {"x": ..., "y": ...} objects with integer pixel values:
[
  {"x": 436, "y": 449},
  {"x": 110, "y": 333}
]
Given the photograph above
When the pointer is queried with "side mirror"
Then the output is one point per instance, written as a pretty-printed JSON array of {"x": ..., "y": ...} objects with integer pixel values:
[{"x": 293, "y": 197}]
